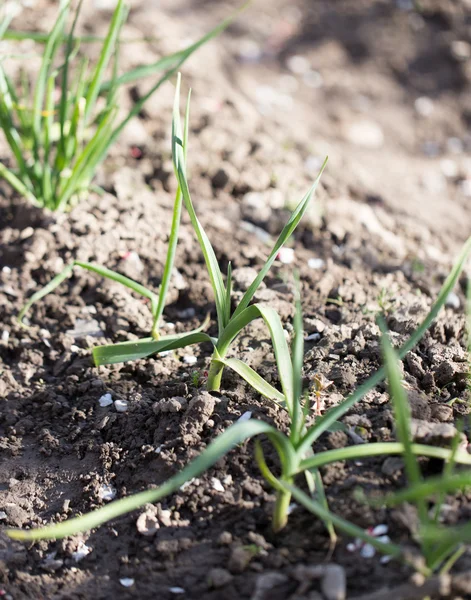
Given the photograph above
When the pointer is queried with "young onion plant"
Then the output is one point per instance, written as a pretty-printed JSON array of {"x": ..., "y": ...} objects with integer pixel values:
[
  {"x": 230, "y": 323},
  {"x": 294, "y": 447},
  {"x": 58, "y": 144}
]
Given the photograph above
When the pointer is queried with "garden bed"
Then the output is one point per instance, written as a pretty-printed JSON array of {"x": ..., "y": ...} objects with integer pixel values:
[{"x": 387, "y": 224}]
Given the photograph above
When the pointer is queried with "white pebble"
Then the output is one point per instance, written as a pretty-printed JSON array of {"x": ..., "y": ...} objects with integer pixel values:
[
  {"x": 366, "y": 134},
  {"x": 189, "y": 360},
  {"x": 5, "y": 336},
  {"x": 121, "y": 405},
  {"x": 245, "y": 417},
  {"x": 3, "y": 515},
  {"x": 292, "y": 507},
  {"x": 127, "y": 582},
  {"x": 105, "y": 400},
  {"x": 424, "y": 106},
  {"x": 74, "y": 348},
  {"x": 165, "y": 353},
  {"x": 367, "y": 551},
  {"x": 453, "y": 301},
  {"x": 461, "y": 50},
  {"x": 216, "y": 484},
  {"x": 107, "y": 492},
  {"x": 316, "y": 263},
  {"x": 449, "y": 168},
  {"x": 379, "y": 530},
  {"x": 313, "y": 337},
  {"x": 82, "y": 551},
  {"x": 285, "y": 255},
  {"x": 298, "y": 64},
  {"x": 187, "y": 484},
  {"x": 176, "y": 590},
  {"x": 6, "y": 270}
]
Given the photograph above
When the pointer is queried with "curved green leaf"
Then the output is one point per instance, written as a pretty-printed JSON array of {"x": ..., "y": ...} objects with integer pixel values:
[
  {"x": 253, "y": 379},
  {"x": 126, "y": 351},
  {"x": 378, "y": 449}
]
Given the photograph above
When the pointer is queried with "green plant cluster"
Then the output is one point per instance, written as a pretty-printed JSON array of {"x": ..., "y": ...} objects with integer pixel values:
[
  {"x": 440, "y": 546},
  {"x": 58, "y": 144}
]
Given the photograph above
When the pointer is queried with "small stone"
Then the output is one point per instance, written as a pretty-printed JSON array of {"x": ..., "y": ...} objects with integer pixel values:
[
  {"x": 176, "y": 590},
  {"x": 316, "y": 263},
  {"x": 105, "y": 400},
  {"x": 285, "y": 255},
  {"x": 460, "y": 50},
  {"x": 82, "y": 551},
  {"x": 381, "y": 529},
  {"x": 107, "y": 493},
  {"x": 367, "y": 551},
  {"x": 453, "y": 301},
  {"x": 366, "y": 134},
  {"x": 85, "y": 328},
  {"x": 449, "y": 168},
  {"x": 216, "y": 484},
  {"x": 424, "y": 106},
  {"x": 51, "y": 563},
  {"x": 218, "y": 578},
  {"x": 239, "y": 559},
  {"x": 147, "y": 523},
  {"x": 121, "y": 405},
  {"x": 127, "y": 582},
  {"x": 190, "y": 360},
  {"x": 334, "y": 583},
  {"x": 225, "y": 539},
  {"x": 298, "y": 64}
]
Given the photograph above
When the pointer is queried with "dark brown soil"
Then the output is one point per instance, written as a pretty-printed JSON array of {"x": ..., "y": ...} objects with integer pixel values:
[{"x": 392, "y": 211}]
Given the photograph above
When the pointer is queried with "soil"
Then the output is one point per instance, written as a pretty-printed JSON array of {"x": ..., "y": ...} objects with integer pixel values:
[{"x": 381, "y": 87}]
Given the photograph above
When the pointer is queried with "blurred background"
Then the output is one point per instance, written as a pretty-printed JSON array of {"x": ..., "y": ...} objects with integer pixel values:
[{"x": 381, "y": 86}]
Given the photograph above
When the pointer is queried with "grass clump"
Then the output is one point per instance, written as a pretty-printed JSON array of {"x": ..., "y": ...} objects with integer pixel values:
[{"x": 58, "y": 144}]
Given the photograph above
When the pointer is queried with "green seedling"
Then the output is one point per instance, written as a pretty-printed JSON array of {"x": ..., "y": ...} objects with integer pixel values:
[
  {"x": 295, "y": 449},
  {"x": 230, "y": 323},
  {"x": 58, "y": 145}
]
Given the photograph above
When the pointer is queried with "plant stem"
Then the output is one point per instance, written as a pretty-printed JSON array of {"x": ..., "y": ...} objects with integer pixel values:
[
  {"x": 216, "y": 369},
  {"x": 280, "y": 512}
]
